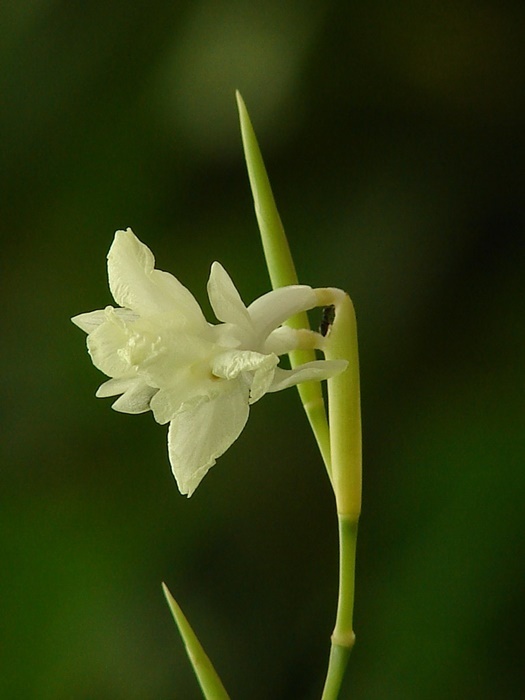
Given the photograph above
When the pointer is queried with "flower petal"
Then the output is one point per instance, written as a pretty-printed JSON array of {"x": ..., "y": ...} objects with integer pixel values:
[
  {"x": 93, "y": 319},
  {"x": 310, "y": 371},
  {"x": 226, "y": 335},
  {"x": 136, "y": 284},
  {"x": 89, "y": 321},
  {"x": 263, "y": 378},
  {"x": 274, "y": 308},
  {"x": 282, "y": 340},
  {"x": 136, "y": 399},
  {"x": 228, "y": 365},
  {"x": 199, "y": 435},
  {"x": 113, "y": 387},
  {"x": 225, "y": 300},
  {"x": 106, "y": 344},
  {"x": 184, "y": 390},
  {"x": 166, "y": 404},
  {"x": 177, "y": 360}
]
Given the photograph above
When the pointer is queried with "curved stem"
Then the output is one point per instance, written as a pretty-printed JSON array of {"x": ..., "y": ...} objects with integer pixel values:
[
  {"x": 344, "y": 404},
  {"x": 340, "y": 443},
  {"x": 345, "y": 441}
]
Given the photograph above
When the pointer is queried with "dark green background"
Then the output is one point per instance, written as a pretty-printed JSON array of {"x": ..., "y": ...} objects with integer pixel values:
[{"x": 394, "y": 137}]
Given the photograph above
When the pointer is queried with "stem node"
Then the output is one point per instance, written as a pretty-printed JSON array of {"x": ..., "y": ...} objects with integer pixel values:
[{"x": 344, "y": 640}]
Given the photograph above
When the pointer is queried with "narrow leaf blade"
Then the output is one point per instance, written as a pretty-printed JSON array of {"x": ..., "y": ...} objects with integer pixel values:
[
  {"x": 282, "y": 272},
  {"x": 210, "y": 683}
]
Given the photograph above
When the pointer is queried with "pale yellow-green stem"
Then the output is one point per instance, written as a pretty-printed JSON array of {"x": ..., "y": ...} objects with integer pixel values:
[
  {"x": 282, "y": 273},
  {"x": 344, "y": 404},
  {"x": 340, "y": 445},
  {"x": 345, "y": 438}
]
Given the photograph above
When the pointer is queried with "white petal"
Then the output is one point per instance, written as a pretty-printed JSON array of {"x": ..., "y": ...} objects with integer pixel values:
[
  {"x": 136, "y": 285},
  {"x": 225, "y": 300},
  {"x": 310, "y": 371},
  {"x": 135, "y": 400},
  {"x": 285, "y": 339},
  {"x": 228, "y": 365},
  {"x": 226, "y": 335},
  {"x": 197, "y": 436},
  {"x": 282, "y": 340},
  {"x": 113, "y": 387},
  {"x": 166, "y": 404},
  {"x": 88, "y": 322},
  {"x": 274, "y": 308},
  {"x": 176, "y": 358},
  {"x": 263, "y": 378},
  {"x": 184, "y": 391},
  {"x": 105, "y": 342},
  {"x": 93, "y": 319}
]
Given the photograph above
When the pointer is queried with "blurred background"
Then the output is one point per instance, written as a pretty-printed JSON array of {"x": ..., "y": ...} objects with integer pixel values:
[{"x": 394, "y": 138}]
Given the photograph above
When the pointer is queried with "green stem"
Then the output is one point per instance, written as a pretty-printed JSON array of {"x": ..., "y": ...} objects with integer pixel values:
[
  {"x": 340, "y": 445},
  {"x": 344, "y": 405},
  {"x": 345, "y": 436},
  {"x": 343, "y": 636}
]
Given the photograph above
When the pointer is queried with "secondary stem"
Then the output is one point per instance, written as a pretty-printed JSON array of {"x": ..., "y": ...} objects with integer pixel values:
[
  {"x": 340, "y": 444},
  {"x": 345, "y": 442}
]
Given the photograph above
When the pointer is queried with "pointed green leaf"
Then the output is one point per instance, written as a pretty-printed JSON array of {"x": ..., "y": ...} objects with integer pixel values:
[
  {"x": 276, "y": 249},
  {"x": 209, "y": 681},
  {"x": 282, "y": 272}
]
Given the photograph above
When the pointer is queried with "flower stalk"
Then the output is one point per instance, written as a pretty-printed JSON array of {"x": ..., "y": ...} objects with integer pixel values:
[
  {"x": 344, "y": 408},
  {"x": 344, "y": 405},
  {"x": 339, "y": 435}
]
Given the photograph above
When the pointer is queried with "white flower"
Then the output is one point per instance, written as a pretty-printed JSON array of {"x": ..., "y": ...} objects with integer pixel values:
[{"x": 162, "y": 355}]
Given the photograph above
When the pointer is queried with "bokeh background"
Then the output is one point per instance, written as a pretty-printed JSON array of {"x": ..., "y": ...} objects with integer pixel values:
[{"x": 394, "y": 137}]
